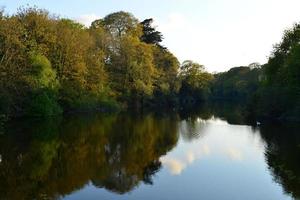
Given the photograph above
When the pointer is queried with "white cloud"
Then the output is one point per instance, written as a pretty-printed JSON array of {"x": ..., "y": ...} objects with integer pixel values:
[
  {"x": 174, "y": 22},
  {"x": 87, "y": 19}
]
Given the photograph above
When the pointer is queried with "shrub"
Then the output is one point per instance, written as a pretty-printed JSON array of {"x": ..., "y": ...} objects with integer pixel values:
[{"x": 43, "y": 104}]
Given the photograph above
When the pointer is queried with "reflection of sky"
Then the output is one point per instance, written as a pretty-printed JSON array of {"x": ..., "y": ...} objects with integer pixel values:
[
  {"x": 219, "y": 161},
  {"x": 218, "y": 139},
  {"x": 177, "y": 164},
  {"x": 225, "y": 162}
]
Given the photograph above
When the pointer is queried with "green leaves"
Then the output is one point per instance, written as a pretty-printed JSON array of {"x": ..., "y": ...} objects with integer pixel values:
[
  {"x": 282, "y": 85},
  {"x": 195, "y": 81},
  {"x": 121, "y": 23},
  {"x": 41, "y": 73},
  {"x": 150, "y": 35}
]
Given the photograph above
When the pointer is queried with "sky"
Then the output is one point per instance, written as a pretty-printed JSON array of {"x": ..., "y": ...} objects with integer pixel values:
[{"x": 218, "y": 34}]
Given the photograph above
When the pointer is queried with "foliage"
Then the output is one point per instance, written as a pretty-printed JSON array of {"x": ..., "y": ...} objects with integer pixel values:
[
  {"x": 46, "y": 60},
  {"x": 195, "y": 82},
  {"x": 119, "y": 62},
  {"x": 43, "y": 103},
  {"x": 279, "y": 94},
  {"x": 239, "y": 83},
  {"x": 41, "y": 75},
  {"x": 150, "y": 35},
  {"x": 166, "y": 82}
]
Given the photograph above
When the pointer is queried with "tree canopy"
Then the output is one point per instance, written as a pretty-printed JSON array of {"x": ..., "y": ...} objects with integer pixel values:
[
  {"x": 104, "y": 66},
  {"x": 50, "y": 65}
]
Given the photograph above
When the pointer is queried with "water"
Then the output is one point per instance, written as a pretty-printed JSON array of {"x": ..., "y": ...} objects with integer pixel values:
[{"x": 205, "y": 154}]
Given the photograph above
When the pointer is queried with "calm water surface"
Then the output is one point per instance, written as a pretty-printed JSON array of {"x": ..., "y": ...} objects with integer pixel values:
[{"x": 205, "y": 154}]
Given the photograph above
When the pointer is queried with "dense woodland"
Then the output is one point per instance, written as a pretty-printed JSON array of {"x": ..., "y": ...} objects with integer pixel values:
[{"x": 50, "y": 65}]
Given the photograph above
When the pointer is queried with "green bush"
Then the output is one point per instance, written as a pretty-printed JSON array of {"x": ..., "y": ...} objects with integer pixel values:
[
  {"x": 90, "y": 102},
  {"x": 42, "y": 75},
  {"x": 43, "y": 104}
]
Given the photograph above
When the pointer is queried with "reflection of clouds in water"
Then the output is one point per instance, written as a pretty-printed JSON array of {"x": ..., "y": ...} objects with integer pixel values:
[
  {"x": 195, "y": 154},
  {"x": 234, "y": 154},
  {"x": 190, "y": 157},
  {"x": 174, "y": 166},
  {"x": 177, "y": 165},
  {"x": 206, "y": 149},
  {"x": 221, "y": 140}
]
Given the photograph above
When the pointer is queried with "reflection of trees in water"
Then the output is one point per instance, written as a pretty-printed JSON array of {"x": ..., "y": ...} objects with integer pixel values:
[
  {"x": 56, "y": 157},
  {"x": 53, "y": 158},
  {"x": 232, "y": 112},
  {"x": 193, "y": 118},
  {"x": 191, "y": 129},
  {"x": 283, "y": 156},
  {"x": 282, "y": 142}
]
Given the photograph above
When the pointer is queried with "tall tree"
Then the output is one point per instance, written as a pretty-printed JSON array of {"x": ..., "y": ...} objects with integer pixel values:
[
  {"x": 121, "y": 23},
  {"x": 150, "y": 34}
]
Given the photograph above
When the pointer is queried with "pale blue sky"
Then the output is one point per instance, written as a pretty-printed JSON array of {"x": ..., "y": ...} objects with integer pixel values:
[{"x": 219, "y": 34}]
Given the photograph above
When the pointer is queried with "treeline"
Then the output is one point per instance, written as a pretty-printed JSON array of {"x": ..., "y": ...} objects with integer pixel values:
[
  {"x": 238, "y": 84},
  {"x": 270, "y": 91},
  {"x": 278, "y": 96},
  {"x": 49, "y": 64}
]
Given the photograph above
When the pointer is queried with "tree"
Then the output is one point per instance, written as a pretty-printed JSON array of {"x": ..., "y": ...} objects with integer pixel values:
[
  {"x": 279, "y": 94},
  {"x": 44, "y": 86},
  {"x": 27, "y": 33},
  {"x": 41, "y": 75},
  {"x": 121, "y": 23},
  {"x": 45, "y": 59},
  {"x": 131, "y": 70},
  {"x": 69, "y": 58},
  {"x": 237, "y": 84},
  {"x": 150, "y": 35},
  {"x": 166, "y": 82},
  {"x": 195, "y": 81}
]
